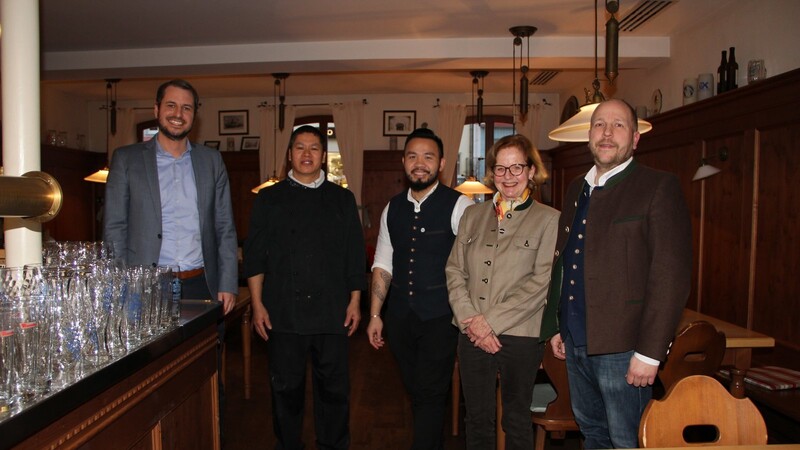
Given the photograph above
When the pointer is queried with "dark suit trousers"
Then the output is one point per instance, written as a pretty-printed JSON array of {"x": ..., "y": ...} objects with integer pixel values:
[
  {"x": 517, "y": 362},
  {"x": 288, "y": 354},
  {"x": 425, "y": 352}
]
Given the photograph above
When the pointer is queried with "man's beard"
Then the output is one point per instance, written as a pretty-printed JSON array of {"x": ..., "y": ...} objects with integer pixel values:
[
  {"x": 420, "y": 185},
  {"x": 175, "y": 137}
]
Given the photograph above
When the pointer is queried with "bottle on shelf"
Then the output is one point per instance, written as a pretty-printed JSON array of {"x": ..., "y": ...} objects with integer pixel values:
[
  {"x": 722, "y": 74},
  {"x": 732, "y": 70}
]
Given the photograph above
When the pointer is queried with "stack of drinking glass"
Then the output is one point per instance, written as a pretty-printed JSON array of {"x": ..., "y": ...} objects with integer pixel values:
[{"x": 72, "y": 315}]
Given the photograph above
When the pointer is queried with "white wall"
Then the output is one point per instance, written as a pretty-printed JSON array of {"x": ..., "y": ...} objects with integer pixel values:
[{"x": 765, "y": 29}]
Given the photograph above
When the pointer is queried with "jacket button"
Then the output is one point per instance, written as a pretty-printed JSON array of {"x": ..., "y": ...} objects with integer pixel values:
[
  {"x": 557, "y": 253},
  {"x": 485, "y": 280},
  {"x": 508, "y": 216},
  {"x": 159, "y": 235},
  {"x": 488, "y": 263}
]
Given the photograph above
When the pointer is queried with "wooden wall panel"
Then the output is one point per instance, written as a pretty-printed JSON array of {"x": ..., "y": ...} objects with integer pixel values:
[
  {"x": 77, "y": 220},
  {"x": 243, "y": 173},
  {"x": 726, "y": 242},
  {"x": 384, "y": 177},
  {"x": 777, "y": 284}
]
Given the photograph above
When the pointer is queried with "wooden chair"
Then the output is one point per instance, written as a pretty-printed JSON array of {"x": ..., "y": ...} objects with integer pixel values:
[
  {"x": 699, "y": 400},
  {"x": 698, "y": 349},
  {"x": 557, "y": 419}
]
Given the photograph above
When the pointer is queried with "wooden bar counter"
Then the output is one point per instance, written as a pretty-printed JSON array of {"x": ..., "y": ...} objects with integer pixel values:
[{"x": 161, "y": 396}]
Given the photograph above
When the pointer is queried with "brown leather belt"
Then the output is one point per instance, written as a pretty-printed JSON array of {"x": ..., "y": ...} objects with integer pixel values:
[{"x": 190, "y": 274}]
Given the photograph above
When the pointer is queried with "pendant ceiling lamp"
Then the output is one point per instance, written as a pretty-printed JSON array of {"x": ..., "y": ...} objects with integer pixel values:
[
  {"x": 111, "y": 128},
  {"x": 471, "y": 186},
  {"x": 520, "y": 32},
  {"x": 477, "y": 86},
  {"x": 278, "y": 119},
  {"x": 576, "y": 128},
  {"x": 612, "y": 41}
]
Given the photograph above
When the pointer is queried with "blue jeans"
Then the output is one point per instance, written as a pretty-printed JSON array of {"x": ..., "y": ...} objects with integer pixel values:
[{"x": 606, "y": 407}]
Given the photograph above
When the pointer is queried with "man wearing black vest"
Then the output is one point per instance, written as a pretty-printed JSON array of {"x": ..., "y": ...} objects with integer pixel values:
[{"x": 417, "y": 231}]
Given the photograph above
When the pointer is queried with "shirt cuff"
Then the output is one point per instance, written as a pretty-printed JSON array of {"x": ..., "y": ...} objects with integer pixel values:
[{"x": 646, "y": 359}]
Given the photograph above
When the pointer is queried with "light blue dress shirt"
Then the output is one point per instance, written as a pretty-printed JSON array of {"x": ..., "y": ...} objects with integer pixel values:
[{"x": 180, "y": 218}]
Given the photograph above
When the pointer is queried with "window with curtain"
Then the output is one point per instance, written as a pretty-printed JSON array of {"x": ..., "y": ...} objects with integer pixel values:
[
  {"x": 333, "y": 166},
  {"x": 477, "y": 138}
]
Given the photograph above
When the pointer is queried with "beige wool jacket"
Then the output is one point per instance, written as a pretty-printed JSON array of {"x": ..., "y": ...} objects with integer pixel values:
[{"x": 502, "y": 270}]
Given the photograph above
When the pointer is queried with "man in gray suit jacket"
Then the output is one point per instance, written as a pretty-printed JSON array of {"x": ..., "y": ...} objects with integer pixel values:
[{"x": 168, "y": 202}]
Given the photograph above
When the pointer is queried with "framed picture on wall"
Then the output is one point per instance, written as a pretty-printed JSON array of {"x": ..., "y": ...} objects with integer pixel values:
[
  {"x": 399, "y": 123},
  {"x": 251, "y": 143},
  {"x": 233, "y": 122},
  {"x": 212, "y": 144}
]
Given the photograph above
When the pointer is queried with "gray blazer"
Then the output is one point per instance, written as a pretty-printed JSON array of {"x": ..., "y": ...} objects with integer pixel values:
[
  {"x": 132, "y": 218},
  {"x": 502, "y": 272}
]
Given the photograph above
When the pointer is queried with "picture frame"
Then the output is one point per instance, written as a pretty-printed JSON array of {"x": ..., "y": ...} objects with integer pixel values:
[
  {"x": 250, "y": 143},
  {"x": 212, "y": 144},
  {"x": 234, "y": 122},
  {"x": 399, "y": 123}
]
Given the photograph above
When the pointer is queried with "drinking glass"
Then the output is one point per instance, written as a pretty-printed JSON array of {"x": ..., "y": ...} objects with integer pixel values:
[
  {"x": 115, "y": 308},
  {"x": 28, "y": 321},
  {"x": 66, "y": 329},
  {"x": 7, "y": 347},
  {"x": 131, "y": 329}
]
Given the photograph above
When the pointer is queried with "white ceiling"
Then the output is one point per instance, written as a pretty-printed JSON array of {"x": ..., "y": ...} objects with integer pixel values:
[{"x": 228, "y": 48}]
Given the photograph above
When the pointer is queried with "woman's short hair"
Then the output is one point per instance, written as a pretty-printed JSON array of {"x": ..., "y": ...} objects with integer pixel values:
[{"x": 532, "y": 158}]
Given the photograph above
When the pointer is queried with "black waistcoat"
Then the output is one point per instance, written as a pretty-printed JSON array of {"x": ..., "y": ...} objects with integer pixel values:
[{"x": 421, "y": 243}]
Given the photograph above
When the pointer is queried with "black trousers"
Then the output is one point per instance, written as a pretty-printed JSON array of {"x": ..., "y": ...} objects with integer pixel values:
[
  {"x": 288, "y": 354},
  {"x": 425, "y": 352},
  {"x": 517, "y": 362}
]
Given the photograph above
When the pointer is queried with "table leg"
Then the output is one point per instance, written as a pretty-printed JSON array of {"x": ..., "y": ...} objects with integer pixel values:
[
  {"x": 246, "y": 335},
  {"x": 739, "y": 360}
]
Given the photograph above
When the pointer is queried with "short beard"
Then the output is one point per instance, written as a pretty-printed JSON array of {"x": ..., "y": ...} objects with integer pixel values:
[
  {"x": 174, "y": 137},
  {"x": 421, "y": 185}
]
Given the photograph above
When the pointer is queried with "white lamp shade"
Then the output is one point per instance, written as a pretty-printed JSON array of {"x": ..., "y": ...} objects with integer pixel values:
[
  {"x": 576, "y": 128},
  {"x": 705, "y": 171}
]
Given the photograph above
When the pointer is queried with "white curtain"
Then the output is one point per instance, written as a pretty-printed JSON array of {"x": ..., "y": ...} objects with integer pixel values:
[
  {"x": 274, "y": 142},
  {"x": 126, "y": 130},
  {"x": 348, "y": 118},
  {"x": 530, "y": 128},
  {"x": 451, "y": 127}
]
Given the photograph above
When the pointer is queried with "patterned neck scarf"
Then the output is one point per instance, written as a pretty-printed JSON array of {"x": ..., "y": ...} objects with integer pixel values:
[{"x": 501, "y": 207}]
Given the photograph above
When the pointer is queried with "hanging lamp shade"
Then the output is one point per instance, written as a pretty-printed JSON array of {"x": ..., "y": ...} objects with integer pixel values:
[
  {"x": 472, "y": 187},
  {"x": 98, "y": 177},
  {"x": 272, "y": 180},
  {"x": 576, "y": 128},
  {"x": 278, "y": 118}
]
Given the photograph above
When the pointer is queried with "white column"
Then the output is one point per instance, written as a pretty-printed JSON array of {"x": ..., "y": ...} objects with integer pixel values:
[{"x": 19, "y": 71}]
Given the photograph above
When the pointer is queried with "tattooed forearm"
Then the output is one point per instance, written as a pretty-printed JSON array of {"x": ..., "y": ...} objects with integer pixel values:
[{"x": 380, "y": 284}]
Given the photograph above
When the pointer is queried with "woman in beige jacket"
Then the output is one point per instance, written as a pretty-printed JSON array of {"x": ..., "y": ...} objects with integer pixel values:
[{"x": 497, "y": 277}]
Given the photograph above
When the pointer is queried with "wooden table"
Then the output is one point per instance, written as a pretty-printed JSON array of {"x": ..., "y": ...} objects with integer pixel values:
[{"x": 739, "y": 341}]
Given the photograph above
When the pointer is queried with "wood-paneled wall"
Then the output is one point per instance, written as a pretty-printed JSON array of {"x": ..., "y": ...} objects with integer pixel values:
[
  {"x": 243, "y": 173},
  {"x": 746, "y": 219}
]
